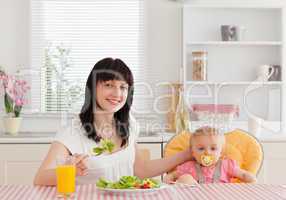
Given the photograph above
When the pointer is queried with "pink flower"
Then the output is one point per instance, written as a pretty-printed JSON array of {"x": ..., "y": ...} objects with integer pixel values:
[
  {"x": 19, "y": 102},
  {"x": 16, "y": 90}
]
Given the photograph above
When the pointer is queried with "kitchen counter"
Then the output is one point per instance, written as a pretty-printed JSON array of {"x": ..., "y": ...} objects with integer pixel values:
[
  {"x": 26, "y": 151},
  {"x": 47, "y": 137},
  {"x": 161, "y": 137}
]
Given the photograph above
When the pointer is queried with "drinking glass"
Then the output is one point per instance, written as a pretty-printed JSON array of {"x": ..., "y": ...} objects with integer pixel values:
[{"x": 66, "y": 173}]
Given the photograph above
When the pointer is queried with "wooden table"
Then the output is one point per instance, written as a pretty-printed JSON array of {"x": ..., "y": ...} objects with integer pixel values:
[{"x": 202, "y": 192}]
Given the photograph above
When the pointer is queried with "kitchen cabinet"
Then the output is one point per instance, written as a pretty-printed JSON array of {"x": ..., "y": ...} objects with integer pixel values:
[
  {"x": 19, "y": 162},
  {"x": 273, "y": 170},
  {"x": 154, "y": 149}
]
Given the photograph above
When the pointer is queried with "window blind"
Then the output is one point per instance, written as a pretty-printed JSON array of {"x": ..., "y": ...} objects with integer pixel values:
[{"x": 70, "y": 36}]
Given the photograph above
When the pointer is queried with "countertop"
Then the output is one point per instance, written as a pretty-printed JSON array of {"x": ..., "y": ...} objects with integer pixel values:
[
  {"x": 160, "y": 137},
  {"x": 47, "y": 137}
]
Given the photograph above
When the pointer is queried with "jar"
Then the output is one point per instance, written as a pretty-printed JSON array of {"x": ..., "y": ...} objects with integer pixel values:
[{"x": 199, "y": 63}]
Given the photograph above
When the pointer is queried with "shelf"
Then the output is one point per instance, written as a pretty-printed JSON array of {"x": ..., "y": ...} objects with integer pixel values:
[
  {"x": 237, "y": 43},
  {"x": 270, "y": 83},
  {"x": 233, "y": 66},
  {"x": 233, "y": 6}
]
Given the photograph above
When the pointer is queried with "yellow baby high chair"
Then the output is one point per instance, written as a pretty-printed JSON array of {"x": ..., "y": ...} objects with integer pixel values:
[{"x": 240, "y": 146}]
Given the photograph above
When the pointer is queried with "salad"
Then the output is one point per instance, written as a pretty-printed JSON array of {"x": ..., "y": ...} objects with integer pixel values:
[
  {"x": 106, "y": 145},
  {"x": 128, "y": 182}
]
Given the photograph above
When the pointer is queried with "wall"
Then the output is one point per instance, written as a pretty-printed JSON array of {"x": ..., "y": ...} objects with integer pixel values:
[
  {"x": 163, "y": 45},
  {"x": 14, "y": 34},
  {"x": 163, "y": 40}
]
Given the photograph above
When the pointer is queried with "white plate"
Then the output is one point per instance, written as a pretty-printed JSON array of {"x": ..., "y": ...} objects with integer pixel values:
[{"x": 119, "y": 191}]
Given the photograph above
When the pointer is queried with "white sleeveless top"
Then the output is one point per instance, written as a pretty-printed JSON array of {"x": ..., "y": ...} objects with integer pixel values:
[{"x": 108, "y": 166}]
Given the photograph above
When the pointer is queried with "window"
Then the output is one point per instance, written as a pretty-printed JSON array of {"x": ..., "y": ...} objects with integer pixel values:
[{"x": 69, "y": 36}]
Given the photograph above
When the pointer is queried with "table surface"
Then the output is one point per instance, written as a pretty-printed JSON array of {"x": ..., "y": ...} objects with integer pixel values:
[{"x": 201, "y": 192}]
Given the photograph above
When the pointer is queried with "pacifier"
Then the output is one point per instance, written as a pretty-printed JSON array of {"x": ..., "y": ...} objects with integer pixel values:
[{"x": 207, "y": 160}]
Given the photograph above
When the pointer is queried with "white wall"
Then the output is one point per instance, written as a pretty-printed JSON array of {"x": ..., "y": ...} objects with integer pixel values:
[
  {"x": 163, "y": 38},
  {"x": 163, "y": 43},
  {"x": 14, "y": 34}
]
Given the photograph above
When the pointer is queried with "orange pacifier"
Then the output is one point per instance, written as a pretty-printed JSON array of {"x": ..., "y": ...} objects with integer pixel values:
[{"x": 207, "y": 160}]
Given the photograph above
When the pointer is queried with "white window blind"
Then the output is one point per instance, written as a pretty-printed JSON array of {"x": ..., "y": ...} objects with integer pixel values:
[{"x": 70, "y": 36}]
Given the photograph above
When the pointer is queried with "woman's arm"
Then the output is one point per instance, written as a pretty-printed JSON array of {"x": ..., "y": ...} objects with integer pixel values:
[
  {"x": 46, "y": 174},
  {"x": 244, "y": 176},
  {"x": 149, "y": 168}
]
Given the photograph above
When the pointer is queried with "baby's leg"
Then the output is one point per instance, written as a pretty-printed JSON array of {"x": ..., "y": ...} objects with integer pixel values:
[{"x": 187, "y": 179}]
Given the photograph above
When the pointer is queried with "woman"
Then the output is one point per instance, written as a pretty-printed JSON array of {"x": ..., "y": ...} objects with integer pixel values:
[{"x": 104, "y": 115}]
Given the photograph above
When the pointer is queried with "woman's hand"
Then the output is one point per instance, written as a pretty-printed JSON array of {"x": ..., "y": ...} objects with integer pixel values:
[{"x": 80, "y": 161}]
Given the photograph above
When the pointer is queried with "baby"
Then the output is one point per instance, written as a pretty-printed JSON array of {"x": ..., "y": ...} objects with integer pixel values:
[{"x": 207, "y": 165}]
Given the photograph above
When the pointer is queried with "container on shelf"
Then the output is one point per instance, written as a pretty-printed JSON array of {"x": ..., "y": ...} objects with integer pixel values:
[{"x": 199, "y": 64}]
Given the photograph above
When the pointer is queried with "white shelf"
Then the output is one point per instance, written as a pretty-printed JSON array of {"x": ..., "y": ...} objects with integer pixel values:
[
  {"x": 233, "y": 65},
  {"x": 237, "y": 43},
  {"x": 270, "y": 83},
  {"x": 234, "y": 6}
]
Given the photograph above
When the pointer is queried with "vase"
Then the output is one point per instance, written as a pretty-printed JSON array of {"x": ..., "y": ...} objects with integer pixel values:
[{"x": 12, "y": 124}]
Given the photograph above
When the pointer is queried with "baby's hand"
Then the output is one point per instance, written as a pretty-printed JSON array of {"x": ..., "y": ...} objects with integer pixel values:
[
  {"x": 187, "y": 179},
  {"x": 169, "y": 178},
  {"x": 244, "y": 176},
  {"x": 80, "y": 161}
]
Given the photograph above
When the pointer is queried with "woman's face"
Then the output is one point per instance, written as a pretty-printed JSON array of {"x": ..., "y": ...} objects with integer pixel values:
[
  {"x": 111, "y": 95},
  {"x": 210, "y": 145}
]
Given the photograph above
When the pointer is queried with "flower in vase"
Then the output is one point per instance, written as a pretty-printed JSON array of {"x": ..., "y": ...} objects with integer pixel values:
[{"x": 14, "y": 93}]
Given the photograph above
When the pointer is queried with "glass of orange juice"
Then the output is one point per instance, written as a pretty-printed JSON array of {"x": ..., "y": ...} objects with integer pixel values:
[{"x": 66, "y": 173}]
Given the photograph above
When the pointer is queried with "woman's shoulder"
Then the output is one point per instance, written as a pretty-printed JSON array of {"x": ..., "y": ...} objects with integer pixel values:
[
  {"x": 70, "y": 127},
  {"x": 71, "y": 134}
]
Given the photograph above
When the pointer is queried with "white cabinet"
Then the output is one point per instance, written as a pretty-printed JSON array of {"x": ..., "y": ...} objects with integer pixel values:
[
  {"x": 274, "y": 164},
  {"x": 232, "y": 65},
  {"x": 20, "y": 162},
  {"x": 154, "y": 149},
  {"x": 155, "y": 152}
]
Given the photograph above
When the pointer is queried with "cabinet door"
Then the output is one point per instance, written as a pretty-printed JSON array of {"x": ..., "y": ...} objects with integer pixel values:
[
  {"x": 155, "y": 152},
  {"x": 154, "y": 148},
  {"x": 20, "y": 162},
  {"x": 274, "y": 164}
]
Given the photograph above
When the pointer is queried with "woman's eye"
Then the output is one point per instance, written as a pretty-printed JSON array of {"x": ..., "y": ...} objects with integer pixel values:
[
  {"x": 124, "y": 88},
  {"x": 107, "y": 85},
  {"x": 201, "y": 148},
  {"x": 213, "y": 148}
]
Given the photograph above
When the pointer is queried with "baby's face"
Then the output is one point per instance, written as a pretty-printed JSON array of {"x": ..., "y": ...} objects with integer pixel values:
[{"x": 211, "y": 145}]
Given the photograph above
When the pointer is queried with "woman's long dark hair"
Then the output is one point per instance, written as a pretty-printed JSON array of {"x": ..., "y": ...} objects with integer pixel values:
[{"x": 105, "y": 70}]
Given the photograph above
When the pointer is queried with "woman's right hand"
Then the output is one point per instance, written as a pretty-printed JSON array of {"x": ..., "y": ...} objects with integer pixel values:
[{"x": 80, "y": 161}]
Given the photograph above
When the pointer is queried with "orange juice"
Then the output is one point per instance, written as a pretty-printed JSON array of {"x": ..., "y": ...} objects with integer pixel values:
[{"x": 65, "y": 179}]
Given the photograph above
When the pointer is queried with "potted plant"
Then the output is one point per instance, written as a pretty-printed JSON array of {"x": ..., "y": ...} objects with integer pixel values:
[{"x": 14, "y": 91}]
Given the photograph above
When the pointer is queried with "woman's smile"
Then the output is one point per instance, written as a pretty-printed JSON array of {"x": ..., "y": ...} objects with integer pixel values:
[
  {"x": 114, "y": 101},
  {"x": 111, "y": 95}
]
